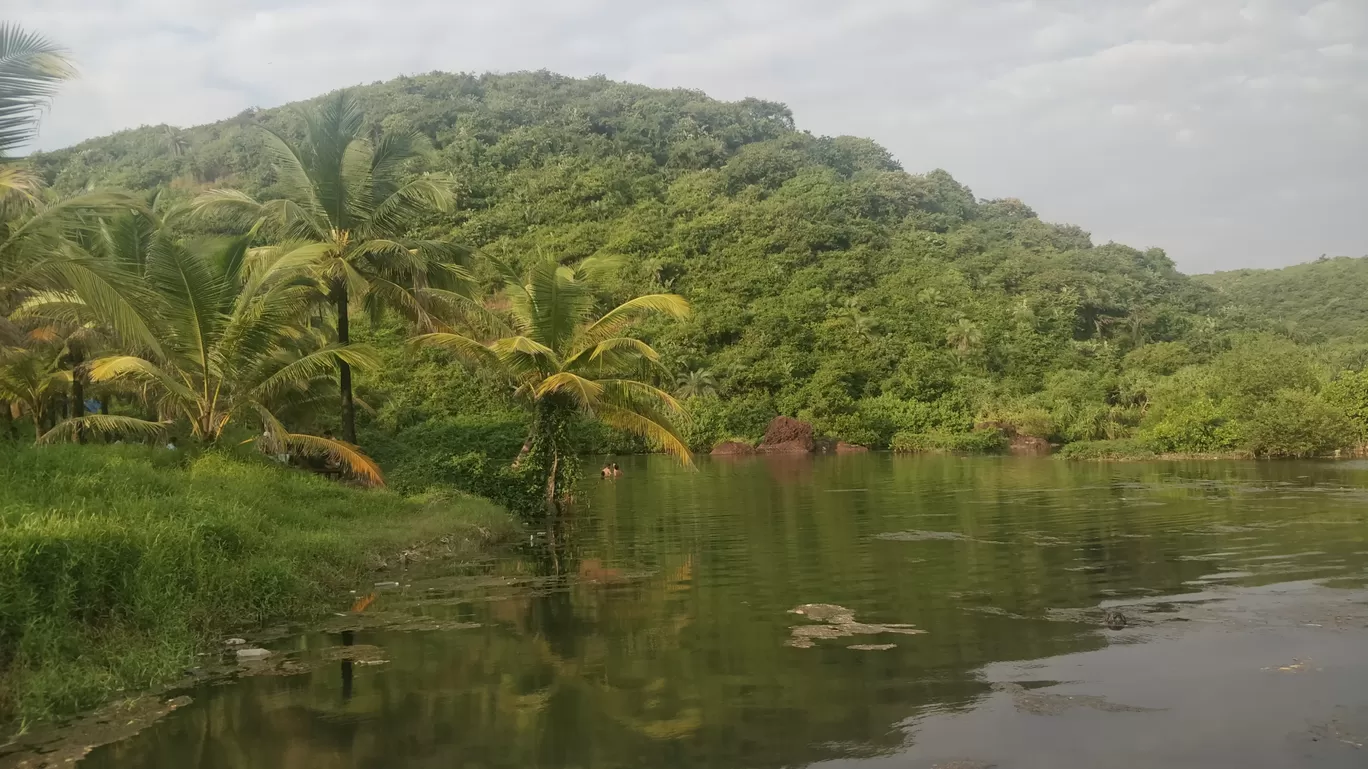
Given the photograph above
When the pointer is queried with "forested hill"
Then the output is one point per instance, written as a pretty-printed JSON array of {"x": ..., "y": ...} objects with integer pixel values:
[
  {"x": 1324, "y": 299},
  {"x": 827, "y": 282}
]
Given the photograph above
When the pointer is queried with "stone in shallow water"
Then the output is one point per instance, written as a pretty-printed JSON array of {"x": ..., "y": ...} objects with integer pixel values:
[
  {"x": 872, "y": 647},
  {"x": 839, "y": 622},
  {"x": 253, "y": 653},
  {"x": 825, "y": 612}
]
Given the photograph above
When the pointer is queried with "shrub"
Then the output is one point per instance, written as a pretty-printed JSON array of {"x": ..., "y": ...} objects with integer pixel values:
[
  {"x": 976, "y": 442},
  {"x": 1349, "y": 393},
  {"x": 1198, "y": 427},
  {"x": 1163, "y": 358},
  {"x": 1296, "y": 423}
]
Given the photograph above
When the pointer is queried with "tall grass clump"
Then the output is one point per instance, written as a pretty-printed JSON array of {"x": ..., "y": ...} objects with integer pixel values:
[{"x": 118, "y": 562}]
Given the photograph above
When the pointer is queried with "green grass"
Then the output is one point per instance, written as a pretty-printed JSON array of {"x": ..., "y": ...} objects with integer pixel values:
[{"x": 118, "y": 563}]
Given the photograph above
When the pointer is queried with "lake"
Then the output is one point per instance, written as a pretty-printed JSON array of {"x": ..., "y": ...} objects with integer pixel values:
[{"x": 960, "y": 622}]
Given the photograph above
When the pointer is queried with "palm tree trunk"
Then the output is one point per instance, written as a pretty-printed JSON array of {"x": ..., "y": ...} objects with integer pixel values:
[
  {"x": 344, "y": 370},
  {"x": 78, "y": 395}
]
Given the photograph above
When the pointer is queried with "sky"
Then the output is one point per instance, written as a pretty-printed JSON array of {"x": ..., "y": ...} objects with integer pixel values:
[{"x": 1231, "y": 133}]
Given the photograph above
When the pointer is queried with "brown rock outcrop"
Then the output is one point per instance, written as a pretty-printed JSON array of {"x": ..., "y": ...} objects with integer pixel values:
[
  {"x": 786, "y": 435},
  {"x": 1029, "y": 445},
  {"x": 850, "y": 448},
  {"x": 732, "y": 449}
]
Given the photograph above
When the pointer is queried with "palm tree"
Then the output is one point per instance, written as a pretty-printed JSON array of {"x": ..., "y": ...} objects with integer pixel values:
[
  {"x": 964, "y": 336},
  {"x": 30, "y": 378},
  {"x": 31, "y": 67},
  {"x": 699, "y": 383},
  {"x": 235, "y": 345},
  {"x": 562, "y": 360},
  {"x": 346, "y": 208}
]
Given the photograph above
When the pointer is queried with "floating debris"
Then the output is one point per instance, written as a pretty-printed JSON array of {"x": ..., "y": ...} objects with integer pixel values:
[
  {"x": 839, "y": 622},
  {"x": 872, "y": 647},
  {"x": 235, "y": 642}
]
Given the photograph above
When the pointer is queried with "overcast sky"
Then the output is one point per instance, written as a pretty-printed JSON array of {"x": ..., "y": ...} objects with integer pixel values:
[{"x": 1231, "y": 133}]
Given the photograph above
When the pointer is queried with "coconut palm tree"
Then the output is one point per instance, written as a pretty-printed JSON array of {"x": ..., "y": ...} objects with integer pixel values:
[
  {"x": 964, "y": 336},
  {"x": 30, "y": 378},
  {"x": 31, "y": 67},
  {"x": 562, "y": 360},
  {"x": 235, "y": 345},
  {"x": 349, "y": 204},
  {"x": 698, "y": 383}
]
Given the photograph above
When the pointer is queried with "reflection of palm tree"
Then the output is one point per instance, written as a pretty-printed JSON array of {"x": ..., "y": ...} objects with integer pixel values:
[{"x": 696, "y": 384}]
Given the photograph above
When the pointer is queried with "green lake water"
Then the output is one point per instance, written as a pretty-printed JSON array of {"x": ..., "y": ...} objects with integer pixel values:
[{"x": 658, "y": 630}]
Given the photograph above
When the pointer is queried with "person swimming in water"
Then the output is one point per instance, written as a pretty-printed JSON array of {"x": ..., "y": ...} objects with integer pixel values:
[{"x": 606, "y": 472}]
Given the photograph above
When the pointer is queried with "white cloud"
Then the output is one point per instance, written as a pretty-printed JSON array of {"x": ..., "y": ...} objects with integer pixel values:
[{"x": 1155, "y": 122}]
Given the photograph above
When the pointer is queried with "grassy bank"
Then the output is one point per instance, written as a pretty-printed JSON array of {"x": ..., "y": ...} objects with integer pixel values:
[{"x": 119, "y": 563}]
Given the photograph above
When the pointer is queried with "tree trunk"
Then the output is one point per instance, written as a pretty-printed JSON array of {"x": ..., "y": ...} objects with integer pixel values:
[
  {"x": 344, "y": 370},
  {"x": 104, "y": 405},
  {"x": 78, "y": 396}
]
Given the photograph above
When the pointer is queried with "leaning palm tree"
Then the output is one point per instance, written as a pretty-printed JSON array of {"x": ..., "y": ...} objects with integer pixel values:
[
  {"x": 31, "y": 67},
  {"x": 562, "y": 361},
  {"x": 235, "y": 345},
  {"x": 348, "y": 201}
]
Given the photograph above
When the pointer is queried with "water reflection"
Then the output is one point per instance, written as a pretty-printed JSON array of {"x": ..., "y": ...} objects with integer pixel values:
[{"x": 650, "y": 629}]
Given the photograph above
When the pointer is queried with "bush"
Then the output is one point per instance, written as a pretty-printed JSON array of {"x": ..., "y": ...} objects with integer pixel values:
[
  {"x": 712, "y": 420},
  {"x": 1163, "y": 358},
  {"x": 1349, "y": 393},
  {"x": 1259, "y": 367},
  {"x": 1198, "y": 427},
  {"x": 1124, "y": 448},
  {"x": 976, "y": 442},
  {"x": 419, "y": 457},
  {"x": 1296, "y": 423}
]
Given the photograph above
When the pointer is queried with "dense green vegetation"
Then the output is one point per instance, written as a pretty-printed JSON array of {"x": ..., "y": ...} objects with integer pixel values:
[
  {"x": 118, "y": 563},
  {"x": 825, "y": 281},
  {"x": 1314, "y": 302}
]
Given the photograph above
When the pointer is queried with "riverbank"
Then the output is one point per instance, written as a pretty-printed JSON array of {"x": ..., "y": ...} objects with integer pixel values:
[{"x": 119, "y": 564}]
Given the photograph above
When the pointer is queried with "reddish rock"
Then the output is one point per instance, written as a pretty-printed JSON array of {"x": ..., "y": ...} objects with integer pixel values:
[
  {"x": 732, "y": 449},
  {"x": 786, "y": 435},
  {"x": 850, "y": 448},
  {"x": 1029, "y": 445}
]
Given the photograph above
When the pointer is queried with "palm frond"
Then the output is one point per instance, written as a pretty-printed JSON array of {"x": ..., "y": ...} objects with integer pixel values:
[
  {"x": 416, "y": 198},
  {"x": 31, "y": 67},
  {"x": 652, "y": 427},
  {"x": 305, "y": 368},
  {"x": 585, "y": 392},
  {"x": 344, "y": 454},
  {"x": 136, "y": 369},
  {"x": 104, "y": 425},
  {"x": 633, "y": 311},
  {"x": 462, "y": 346}
]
